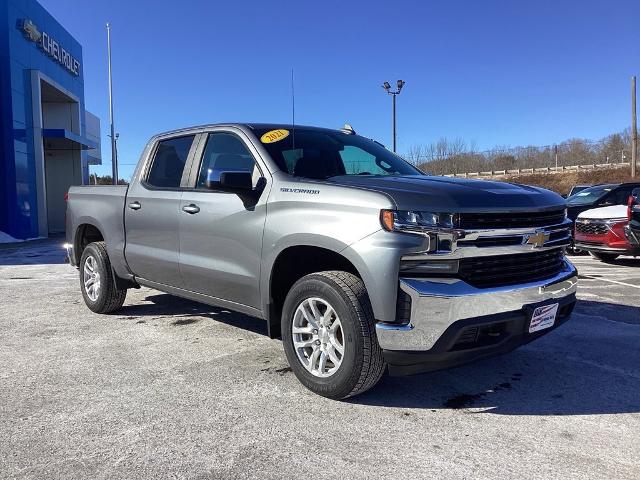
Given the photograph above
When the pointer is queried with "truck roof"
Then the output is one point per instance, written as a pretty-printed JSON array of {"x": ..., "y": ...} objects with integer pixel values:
[{"x": 249, "y": 125}]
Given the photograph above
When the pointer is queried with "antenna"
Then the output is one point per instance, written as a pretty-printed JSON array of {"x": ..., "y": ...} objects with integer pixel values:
[{"x": 293, "y": 110}]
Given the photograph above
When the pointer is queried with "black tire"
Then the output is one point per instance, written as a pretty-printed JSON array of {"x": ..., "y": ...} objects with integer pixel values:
[
  {"x": 571, "y": 250},
  {"x": 109, "y": 297},
  {"x": 362, "y": 363},
  {"x": 604, "y": 257}
]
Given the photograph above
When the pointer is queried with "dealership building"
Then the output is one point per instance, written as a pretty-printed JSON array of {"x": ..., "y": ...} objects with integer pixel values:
[{"x": 47, "y": 139}]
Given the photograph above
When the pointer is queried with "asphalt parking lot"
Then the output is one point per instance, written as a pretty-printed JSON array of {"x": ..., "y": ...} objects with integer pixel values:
[{"x": 169, "y": 388}]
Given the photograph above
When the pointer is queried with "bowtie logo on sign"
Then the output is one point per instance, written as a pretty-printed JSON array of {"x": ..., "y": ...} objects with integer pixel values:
[
  {"x": 31, "y": 31},
  {"x": 50, "y": 46}
]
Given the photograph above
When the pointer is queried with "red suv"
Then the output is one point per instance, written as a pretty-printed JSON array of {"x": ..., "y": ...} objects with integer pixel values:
[{"x": 601, "y": 232}]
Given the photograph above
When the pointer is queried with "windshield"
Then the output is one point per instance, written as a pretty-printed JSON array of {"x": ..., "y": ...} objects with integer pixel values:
[
  {"x": 575, "y": 190},
  {"x": 589, "y": 195},
  {"x": 322, "y": 154}
]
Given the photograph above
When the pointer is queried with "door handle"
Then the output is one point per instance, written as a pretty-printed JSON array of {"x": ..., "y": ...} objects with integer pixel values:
[
  {"x": 135, "y": 206},
  {"x": 191, "y": 208}
]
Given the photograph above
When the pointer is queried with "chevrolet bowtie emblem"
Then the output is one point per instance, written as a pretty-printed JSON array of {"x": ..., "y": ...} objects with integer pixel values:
[
  {"x": 31, "y": 31},
  {"x": 537, "y": 239}
]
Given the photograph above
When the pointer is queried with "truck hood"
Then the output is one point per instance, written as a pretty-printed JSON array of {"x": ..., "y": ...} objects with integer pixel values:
[
  {"x": 604, "y": 213},
  {"x": 444, "y": 194}
]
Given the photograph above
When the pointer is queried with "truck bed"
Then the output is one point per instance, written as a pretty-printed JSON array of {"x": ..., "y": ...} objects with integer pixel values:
[{"x": 103, "y": 207}]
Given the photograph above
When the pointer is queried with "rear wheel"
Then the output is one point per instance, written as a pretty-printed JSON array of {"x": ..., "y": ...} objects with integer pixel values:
[
  {"x": 98, "y": 287},
  {"x": 328, "y": 332},
  {"x": 604, "y": 257}
]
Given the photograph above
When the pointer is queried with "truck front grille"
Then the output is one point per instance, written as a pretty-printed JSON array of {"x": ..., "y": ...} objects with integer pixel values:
[
  {"x": 502, "y": 270},
  {"x": 591, "y": 228},
  {"x": 474, "y": 221}
]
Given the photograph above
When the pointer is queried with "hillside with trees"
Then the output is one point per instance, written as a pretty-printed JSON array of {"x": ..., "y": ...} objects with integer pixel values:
[{"x": 447, "y": 156}]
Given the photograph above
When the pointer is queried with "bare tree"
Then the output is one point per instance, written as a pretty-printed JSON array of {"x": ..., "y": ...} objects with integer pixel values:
[
  {"x": 447, "y": 156},
  {"x": 415, "y": 155}
]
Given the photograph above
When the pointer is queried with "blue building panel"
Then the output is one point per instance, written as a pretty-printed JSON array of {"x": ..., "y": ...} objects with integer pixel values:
[{"x": 35, "y": 48}]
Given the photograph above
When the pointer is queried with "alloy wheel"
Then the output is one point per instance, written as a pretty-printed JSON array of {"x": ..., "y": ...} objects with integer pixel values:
[
  {"x": 317, "y": 336},
  {"x": 91, "y": 278}
]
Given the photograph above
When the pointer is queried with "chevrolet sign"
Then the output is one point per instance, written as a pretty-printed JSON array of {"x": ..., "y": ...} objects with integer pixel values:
[{"x": 49, "y": 46}]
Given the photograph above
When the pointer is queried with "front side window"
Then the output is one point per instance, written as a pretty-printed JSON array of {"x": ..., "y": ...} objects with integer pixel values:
[
  {"x": 321, "y": 154},
  {"x": 169, "y": 161},
  {"x": 225, "y": 152},
  {"x": 619, "y": 197}
]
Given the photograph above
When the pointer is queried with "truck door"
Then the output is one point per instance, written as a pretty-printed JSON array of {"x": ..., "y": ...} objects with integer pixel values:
[
  {"x": 221, "y": 232},
  {"x": 152, "y": 209}
]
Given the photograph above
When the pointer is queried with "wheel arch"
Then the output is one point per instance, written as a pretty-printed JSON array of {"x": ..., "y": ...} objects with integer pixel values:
[
  {"x": 85, "y": 233},
  {"x": 290, "y": 264},
  {"x": 88, "y": 231}
]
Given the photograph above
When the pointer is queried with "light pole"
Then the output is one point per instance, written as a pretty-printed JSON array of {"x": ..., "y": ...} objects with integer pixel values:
[
  {"x": 634, "y": 128},
  {"x": 114, "y": 154},
  {"x": 387, "y": 87}
]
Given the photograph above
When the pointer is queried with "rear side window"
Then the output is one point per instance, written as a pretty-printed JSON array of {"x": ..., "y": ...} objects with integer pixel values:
[{"x": 169, "y": 161}]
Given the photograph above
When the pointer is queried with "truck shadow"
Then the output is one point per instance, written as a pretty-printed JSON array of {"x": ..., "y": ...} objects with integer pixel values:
[
  {"x": 182, "y": 312},
  {"x": 591, "y": 365}
]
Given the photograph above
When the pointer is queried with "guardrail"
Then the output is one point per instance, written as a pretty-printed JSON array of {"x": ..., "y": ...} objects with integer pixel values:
[{"x": 529, "y": 171}]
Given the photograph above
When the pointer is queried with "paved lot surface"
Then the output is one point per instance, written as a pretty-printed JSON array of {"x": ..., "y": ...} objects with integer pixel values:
[{"x": 173, "y": 389}]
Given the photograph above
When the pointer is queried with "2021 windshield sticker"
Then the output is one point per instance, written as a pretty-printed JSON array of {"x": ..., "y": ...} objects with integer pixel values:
[{"x": 274, "y": 135}]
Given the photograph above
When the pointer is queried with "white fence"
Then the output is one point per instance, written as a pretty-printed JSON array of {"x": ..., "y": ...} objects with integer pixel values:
[{"x": 529, "y": 171}]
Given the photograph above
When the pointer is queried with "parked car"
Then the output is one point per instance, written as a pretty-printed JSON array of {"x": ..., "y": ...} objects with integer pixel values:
[
  {"x": 359, "y": 261},
  {"x": 597, "y": 196},
  {"x": 601, "y": 232},
  {"x": 575, "y": 189},
  {"x": 632, "y": 231}
]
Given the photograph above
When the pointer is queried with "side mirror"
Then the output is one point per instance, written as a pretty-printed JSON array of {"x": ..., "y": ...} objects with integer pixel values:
[
  {"x": 229, "y": 180},
  {"x": 635, "y": 194}
]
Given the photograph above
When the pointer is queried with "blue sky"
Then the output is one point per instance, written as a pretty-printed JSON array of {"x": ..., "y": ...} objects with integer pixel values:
[{"x": 491, "y": 72}]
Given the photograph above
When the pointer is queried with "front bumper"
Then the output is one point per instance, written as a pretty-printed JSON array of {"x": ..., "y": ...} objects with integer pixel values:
[
  {"x": 439, "y": 303},
  {"x": 633, "y": 235},
  {"x": 494, "y": 335},
  {"x": 604, "y": 248}
]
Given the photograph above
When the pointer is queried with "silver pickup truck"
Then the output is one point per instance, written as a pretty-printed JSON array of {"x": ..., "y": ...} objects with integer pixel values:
[{"x": 360, "y": 262}]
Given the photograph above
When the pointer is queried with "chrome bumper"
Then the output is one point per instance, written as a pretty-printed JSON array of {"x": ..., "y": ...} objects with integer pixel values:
[{"x": 439, "y": 302}]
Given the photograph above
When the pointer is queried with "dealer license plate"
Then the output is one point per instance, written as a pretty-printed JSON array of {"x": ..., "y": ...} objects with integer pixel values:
[{"x": 543, "y": 317}]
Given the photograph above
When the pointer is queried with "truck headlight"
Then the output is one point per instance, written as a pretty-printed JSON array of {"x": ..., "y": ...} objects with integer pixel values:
[{"x": 414, "y": 221}]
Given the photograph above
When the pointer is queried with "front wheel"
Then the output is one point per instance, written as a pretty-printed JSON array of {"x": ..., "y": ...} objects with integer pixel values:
[
  {"x": 328, "y": 332},
  {"x": 604, "y": 257},
  {"x": 99, "y": 289}
]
